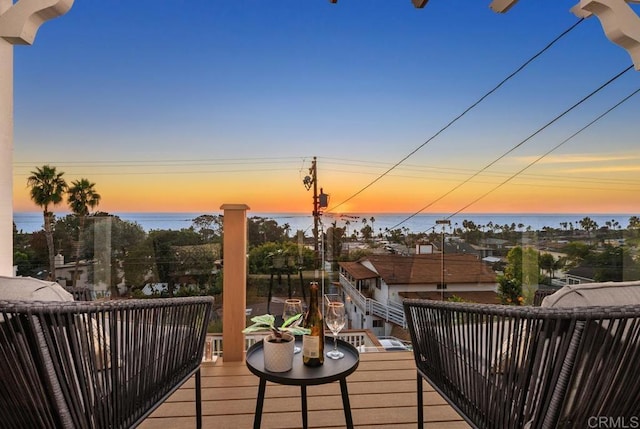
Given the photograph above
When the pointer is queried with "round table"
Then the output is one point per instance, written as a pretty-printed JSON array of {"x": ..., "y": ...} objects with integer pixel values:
[{"x": 303, "y": 376}]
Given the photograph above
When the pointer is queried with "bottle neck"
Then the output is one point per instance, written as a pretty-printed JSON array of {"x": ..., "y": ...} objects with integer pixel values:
[{"x": 313, "y": 298}]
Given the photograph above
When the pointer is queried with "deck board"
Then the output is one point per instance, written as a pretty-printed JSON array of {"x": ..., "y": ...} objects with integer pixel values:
[{"x": 382, "y": 392}]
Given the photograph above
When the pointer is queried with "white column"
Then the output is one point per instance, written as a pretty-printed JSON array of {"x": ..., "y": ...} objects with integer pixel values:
[
  {"x": 19, "y": 24},
  {"x": 6, "y": 152}
]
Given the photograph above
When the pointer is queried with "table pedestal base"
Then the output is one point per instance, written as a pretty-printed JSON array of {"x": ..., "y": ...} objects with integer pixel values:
[{"x": 257, "y": 419}]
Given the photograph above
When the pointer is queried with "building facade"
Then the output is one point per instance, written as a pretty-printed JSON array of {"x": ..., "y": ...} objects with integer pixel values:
[{"x": 375, "y": 286}]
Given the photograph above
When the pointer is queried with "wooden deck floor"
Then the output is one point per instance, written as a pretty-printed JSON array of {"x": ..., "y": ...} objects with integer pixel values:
[{"x": 382, "y": 392}]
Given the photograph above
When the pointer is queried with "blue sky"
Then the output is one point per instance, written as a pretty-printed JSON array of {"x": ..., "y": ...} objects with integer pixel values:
[{"x": 187, "y": 105}]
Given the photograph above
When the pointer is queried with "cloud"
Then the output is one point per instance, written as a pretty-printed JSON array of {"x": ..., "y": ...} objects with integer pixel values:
[
  {"x": 581, "y": 158},
  {"x": 606, "y": 169}
]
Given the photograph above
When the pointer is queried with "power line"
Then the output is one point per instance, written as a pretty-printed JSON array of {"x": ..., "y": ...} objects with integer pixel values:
[
  {"x": 547, "y": 153},
  {"x": 205, "y": 161},
  {"x": 538, "y": 131},
  {"x": 454, "y": 120}
]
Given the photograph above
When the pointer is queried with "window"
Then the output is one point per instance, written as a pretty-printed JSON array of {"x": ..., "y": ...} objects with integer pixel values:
[{"x": 377, "y": 323}]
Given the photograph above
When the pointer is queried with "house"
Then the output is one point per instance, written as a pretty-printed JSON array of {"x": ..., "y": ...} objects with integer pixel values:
[
  {"x": 581, "y": 274},
  {"x": 453, "y": 245},
  {"x": 88, "y": 275},
  {"x": 374, "y": 286}
]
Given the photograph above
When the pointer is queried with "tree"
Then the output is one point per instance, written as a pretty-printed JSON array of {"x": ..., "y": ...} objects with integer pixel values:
[
  {"x": 261, "y": 257},
  {"x": 47, "y": 189},
  {"x": 509, "y": 291},
  {"x": 138, "y": 265},
  {"x": 109, "y": 240},
  {"x": 521, "y": 272},
  {"x": 576, "y": 253},
  {"x": 262, "y": 230},
  {"x": 82, "y": 197},
  {"x": 367, "y": 232},
  {"x": 333, "y": 247},
  {"x": 163, "y": 243},
  {"x": 550, "y": 264},
  {"x": 588, "y": 225},
  {"x": 546, "y": 263},
  {"x": 613, "y": 263},
  {"x": 209, "y": 226}
]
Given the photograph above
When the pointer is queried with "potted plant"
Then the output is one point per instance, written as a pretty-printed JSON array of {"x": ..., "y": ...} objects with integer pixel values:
[{"x": 279, "y": 344}]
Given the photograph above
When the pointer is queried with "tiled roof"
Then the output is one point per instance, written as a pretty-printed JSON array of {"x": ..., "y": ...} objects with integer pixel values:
[
  {"x": 479, "y": 297},
  {"x": 358, "y": 271},
  {"x": 427, "y": 269}
]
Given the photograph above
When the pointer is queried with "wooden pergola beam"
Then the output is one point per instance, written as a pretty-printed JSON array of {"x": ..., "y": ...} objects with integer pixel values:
[{"x": 619, "y": 21}]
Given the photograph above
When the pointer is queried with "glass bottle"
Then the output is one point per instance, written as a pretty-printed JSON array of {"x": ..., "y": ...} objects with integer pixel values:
[{"x": 313, "y": 344}]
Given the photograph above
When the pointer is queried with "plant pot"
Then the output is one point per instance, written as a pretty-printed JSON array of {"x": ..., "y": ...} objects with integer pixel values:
[{"x": 278, "y": 356}]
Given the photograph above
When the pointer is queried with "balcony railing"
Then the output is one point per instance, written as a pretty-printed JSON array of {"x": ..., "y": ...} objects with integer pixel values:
[
  {"x": 357, "y": 338},
  {"x": 390, "y": 312}
]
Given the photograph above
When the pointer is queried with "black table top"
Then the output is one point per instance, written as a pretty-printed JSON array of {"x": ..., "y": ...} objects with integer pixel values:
[{"x": 302, "y": 375}]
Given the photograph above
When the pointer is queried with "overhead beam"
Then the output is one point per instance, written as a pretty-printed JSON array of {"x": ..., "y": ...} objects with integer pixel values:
[
  {"x": 502, "y": 6},
  {"x": 20, "y": 23},
  {"x": 619, "y": 21}
]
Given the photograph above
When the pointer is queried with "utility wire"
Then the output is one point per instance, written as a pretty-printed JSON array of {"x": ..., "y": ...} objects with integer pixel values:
[
  {"x": 454, "y": 120},
  {"x": 538, "y": 131},
  {"x": 546, "y": 153}
]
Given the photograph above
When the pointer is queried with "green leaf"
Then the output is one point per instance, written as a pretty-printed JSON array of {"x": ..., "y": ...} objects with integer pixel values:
[
  {"x": 298, "y": 330},
  {"x": 266, "y": 319},
  {"x": 291, "y": 319}
]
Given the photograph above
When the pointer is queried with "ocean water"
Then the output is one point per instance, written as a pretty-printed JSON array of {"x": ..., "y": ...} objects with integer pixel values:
[{"x": 32, "y": 221}]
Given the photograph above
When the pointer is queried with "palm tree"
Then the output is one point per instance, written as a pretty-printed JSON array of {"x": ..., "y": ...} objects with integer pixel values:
[
  {"x": 588, "y": 225},
  {"x": 47, "y": 189},
  {"x": 81, "y": 198},
  {"x": 372, "y": 219}
]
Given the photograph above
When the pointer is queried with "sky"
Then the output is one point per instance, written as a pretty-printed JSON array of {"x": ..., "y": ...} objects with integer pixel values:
[{"x": 186, "y": 105}]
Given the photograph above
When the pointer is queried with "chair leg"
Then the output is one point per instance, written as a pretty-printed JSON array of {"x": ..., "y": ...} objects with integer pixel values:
[
  {"x": 420, "y": 406},
  {"x": 198, "y": 400}
]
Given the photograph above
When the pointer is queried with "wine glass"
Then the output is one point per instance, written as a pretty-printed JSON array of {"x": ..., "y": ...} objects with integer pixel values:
[
  {"x": 336, "y": 318},
  {"x": 291, "y": 308}
]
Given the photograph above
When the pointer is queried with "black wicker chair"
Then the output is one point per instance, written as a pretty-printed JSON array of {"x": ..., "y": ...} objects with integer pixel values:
[
  {"x": 528, "y": 367},
  {"x": 97, "y": 364},
  {"x": 542, "y": 294},
  {"x": 79, "y": 293}
]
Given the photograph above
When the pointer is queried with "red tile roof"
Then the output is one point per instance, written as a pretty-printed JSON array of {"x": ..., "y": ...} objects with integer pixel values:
[
  {"x": 479, "y": 297},
  {"x": 425, "y": 269},
  {"x": 358, "y": 271}
]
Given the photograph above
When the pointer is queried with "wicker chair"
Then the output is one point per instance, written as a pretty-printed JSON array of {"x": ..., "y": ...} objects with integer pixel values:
[
  {"x": 79, "y": 293},
  {"x": 97, "y": 364},
  {"x": 542, "y": 294},
  {"x": 533, "y": 367}
]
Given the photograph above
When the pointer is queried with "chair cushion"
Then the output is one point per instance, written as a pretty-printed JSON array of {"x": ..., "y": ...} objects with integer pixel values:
[
  {"x": 595, "y": 294},
  {"x": 30, "y": 289}
]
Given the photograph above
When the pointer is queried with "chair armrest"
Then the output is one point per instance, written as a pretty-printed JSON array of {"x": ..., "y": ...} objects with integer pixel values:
[
  {"x": 540, "y": 295},
  {"x": 79, "y": 293},
  {"x": 101, "y": 364},
  {"x": 506, "y": 366}
]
